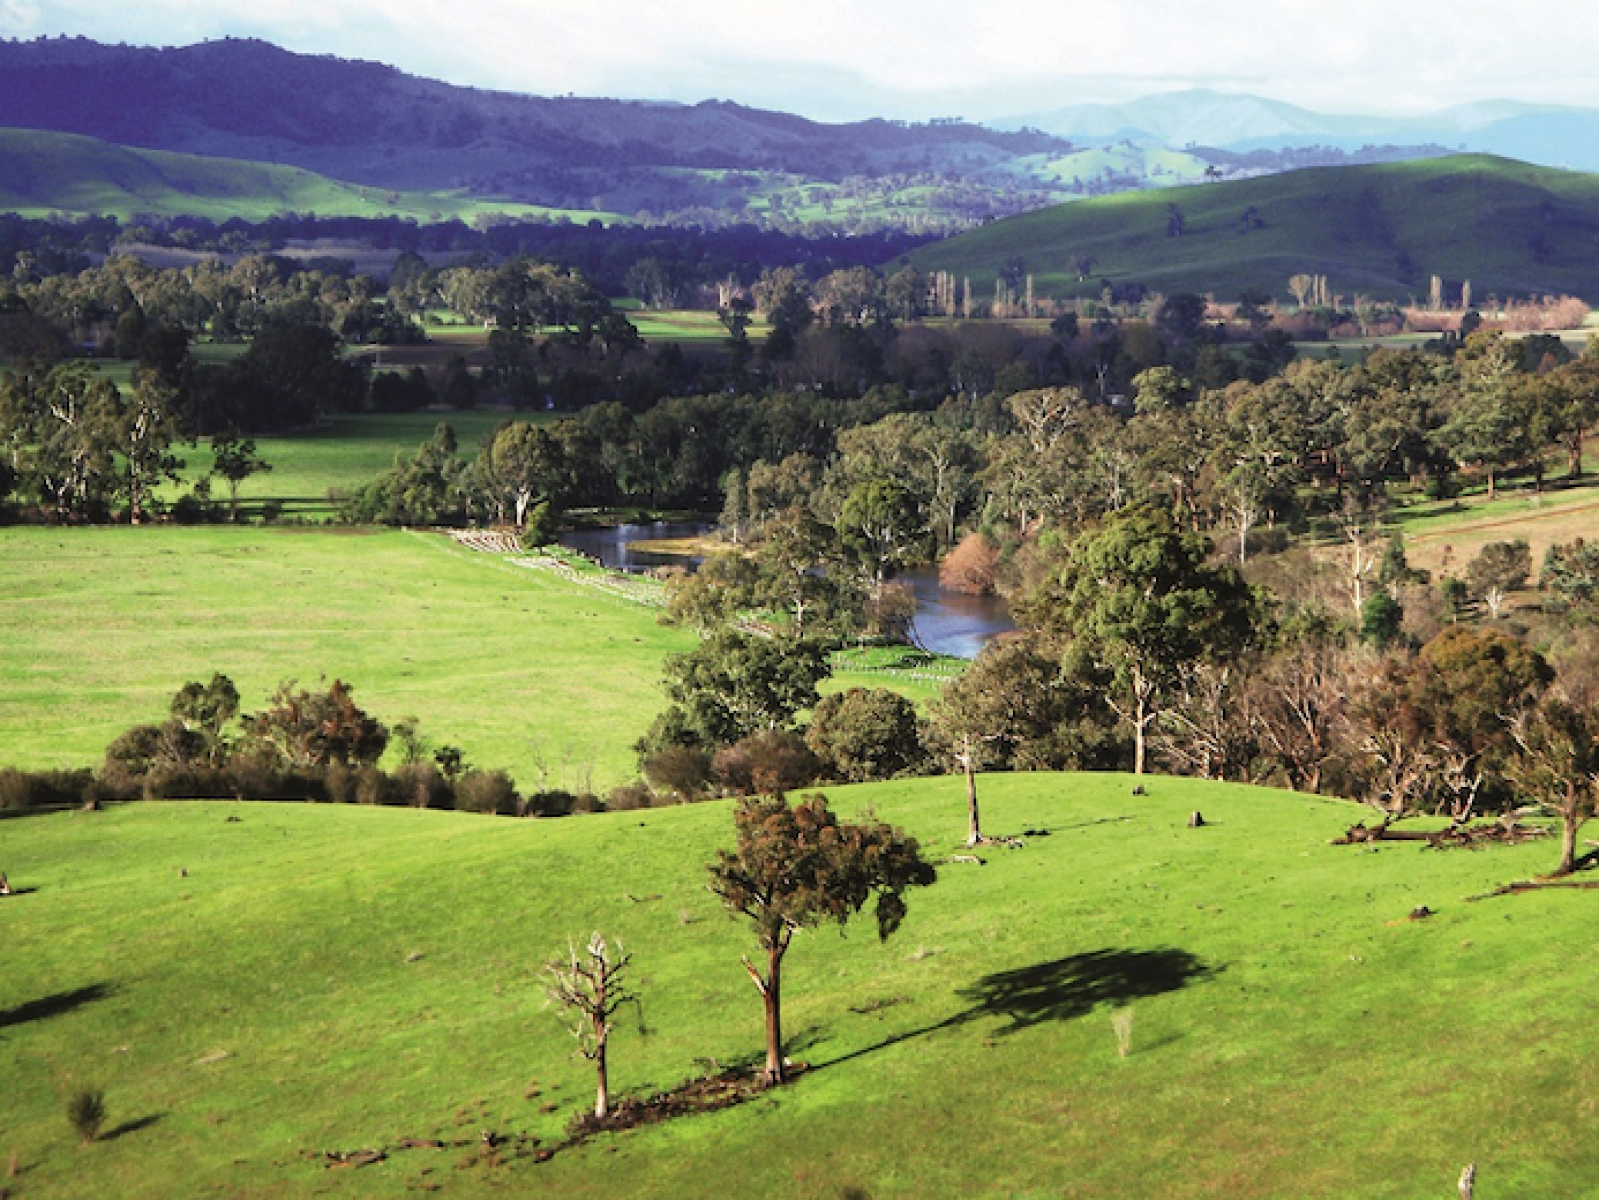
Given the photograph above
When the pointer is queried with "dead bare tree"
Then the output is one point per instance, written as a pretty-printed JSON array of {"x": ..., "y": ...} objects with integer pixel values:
[
  {"x": 589, "y": 988},
  {"x": 1556, "y": 765},
  {"x": 1300, "y": 709}
]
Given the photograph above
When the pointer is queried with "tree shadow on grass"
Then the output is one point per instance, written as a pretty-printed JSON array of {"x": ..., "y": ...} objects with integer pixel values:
[
  {"x": 53, "y": 1006},
  {"x": 128, "y": 1127},
  {"x": 1075, "y": 986},
  {"x": 1062, "y": 990}
]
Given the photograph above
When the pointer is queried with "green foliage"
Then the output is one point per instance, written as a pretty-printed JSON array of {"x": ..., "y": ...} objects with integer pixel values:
[
  {"x": 864, "y": 734},
  {"x": 735, "y": 684},
  {"x": 1381, "y": 618},
  {"x": 1570, "y": 578},
  {"x": 1469, "y": 683},
  {"x": 235, "y": 459},
  {"x": 427, "y": 488},
  {"x": 1138, "y": 600},
  {"x": 1015, "y": 708}
]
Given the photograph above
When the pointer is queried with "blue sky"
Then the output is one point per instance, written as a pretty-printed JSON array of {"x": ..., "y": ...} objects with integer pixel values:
[{"x": 845, "y": 59}]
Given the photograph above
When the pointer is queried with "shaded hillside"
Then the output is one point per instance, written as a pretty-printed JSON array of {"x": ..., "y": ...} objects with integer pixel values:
[
  {"x": 1382, "y": 231},
  {"x": 374, "y": 125},
  {"x": 43, "y": 172}
]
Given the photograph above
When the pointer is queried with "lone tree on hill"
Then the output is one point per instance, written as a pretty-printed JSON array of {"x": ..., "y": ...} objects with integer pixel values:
[
  {"x": 797, "y": 866},
  {"x": 590, "y": 988}
]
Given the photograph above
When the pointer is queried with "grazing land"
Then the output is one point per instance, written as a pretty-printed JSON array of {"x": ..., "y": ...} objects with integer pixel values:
[
  {"x": 254, "y": 985},
  {"x": 1442, "y": 537},
  {"x": 1379, "y": 230},
  {"x": 343, "y": 452},
  {"x": 519, "y": 668},
  {"x": 50, "y": 173}
]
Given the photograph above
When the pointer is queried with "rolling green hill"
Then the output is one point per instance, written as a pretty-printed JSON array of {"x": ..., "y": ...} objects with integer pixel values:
[
  {"x": 1383, "y": 231},
  {"x": 43, "y": 173},
  {"x": 255, "y": 984},
  {"x": 519, "y": 668}
]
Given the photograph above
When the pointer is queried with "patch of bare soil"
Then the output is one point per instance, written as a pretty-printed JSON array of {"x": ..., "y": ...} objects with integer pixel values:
[{"x": 708, "y": 1094}]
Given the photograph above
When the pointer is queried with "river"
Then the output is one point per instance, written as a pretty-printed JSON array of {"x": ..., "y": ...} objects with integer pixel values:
[{"x": 946, "y": 622}]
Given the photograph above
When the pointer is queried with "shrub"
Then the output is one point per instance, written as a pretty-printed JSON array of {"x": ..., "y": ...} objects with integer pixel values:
[
  {"x": 681, "y": 770},
  {"x": 36, "y": 789},
  {"x": 176, "y": 781},
  {"x": 486, "y": 792},
  {"x": 86, "y": 1112},
  {"x": 422, "y": 785},
  {"x": 773, "y": 760},
  {"x": 372, "y": 786},
  {"x": 628, "y": 797},
  {"x": 553, "y": 803}
]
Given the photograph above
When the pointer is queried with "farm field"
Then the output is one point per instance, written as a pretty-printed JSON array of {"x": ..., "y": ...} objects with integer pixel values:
[
  {"x": 519, "y": 668},
  {"x": 255, "y": 984},
  {"x": 344, "y": 452},
  {"x": 1442, "y": 537}
]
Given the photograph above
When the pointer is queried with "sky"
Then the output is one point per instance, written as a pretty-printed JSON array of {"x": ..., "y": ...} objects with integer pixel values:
[{"x": 837, "y": 60}]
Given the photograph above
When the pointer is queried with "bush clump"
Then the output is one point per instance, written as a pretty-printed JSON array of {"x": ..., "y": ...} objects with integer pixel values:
[{"x": 86, "y": 1112}]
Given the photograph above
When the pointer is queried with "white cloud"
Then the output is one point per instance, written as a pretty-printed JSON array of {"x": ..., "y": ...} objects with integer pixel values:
[{"x": 909, "y": 57}]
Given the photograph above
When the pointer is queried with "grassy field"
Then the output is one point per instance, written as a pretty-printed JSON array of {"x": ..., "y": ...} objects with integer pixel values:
[
  {"x": 1443, "y": 536},
  {"x": 517, "y": 667},
  {"x": 344, "y": 452},
  {"x": 251, "y": 992},
  {"x": 1379, "y": 230},
  {"x": 46, "y": 173}
]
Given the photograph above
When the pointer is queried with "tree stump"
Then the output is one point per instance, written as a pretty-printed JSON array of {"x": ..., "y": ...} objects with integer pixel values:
[{"x": 1196, "y": 820}]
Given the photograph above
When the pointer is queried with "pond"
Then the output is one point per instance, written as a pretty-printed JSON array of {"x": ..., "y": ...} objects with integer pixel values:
[{"x": 946, "y": 622}]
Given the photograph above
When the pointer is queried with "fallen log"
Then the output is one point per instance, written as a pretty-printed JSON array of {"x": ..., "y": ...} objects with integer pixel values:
[
  {"x": 1509, "y": 833},
  {"x": 1536, "y": 885}
]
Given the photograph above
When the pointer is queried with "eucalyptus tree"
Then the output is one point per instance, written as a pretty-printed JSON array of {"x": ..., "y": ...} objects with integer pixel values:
[{"x": 797, "y": 866}]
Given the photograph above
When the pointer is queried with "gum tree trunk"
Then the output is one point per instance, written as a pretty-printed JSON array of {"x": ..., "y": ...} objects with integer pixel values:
[{"x": 772, "y": 994}]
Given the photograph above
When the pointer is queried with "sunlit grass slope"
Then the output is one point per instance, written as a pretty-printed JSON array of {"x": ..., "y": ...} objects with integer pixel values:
[
  {"x": 518, "y": 668},
  {"x": 1383, "y": 230},
  {"x": 44, "y": 172},
  {"x": 252, "y": 992}
]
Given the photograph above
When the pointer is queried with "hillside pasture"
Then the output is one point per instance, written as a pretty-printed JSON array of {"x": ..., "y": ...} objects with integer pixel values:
[
  {"x": 46, "y": 173},
  {"x": 254, "y": 985},
  {"x": 1379, "y": 230},
  {"x": 519, "y": 668}
]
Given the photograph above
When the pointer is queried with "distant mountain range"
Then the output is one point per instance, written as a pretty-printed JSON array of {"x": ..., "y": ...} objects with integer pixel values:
[
  {"x": 1549, "y": 136},
  {"x": 370, "y": 124},
  {"x": 393, "y": 142}
]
